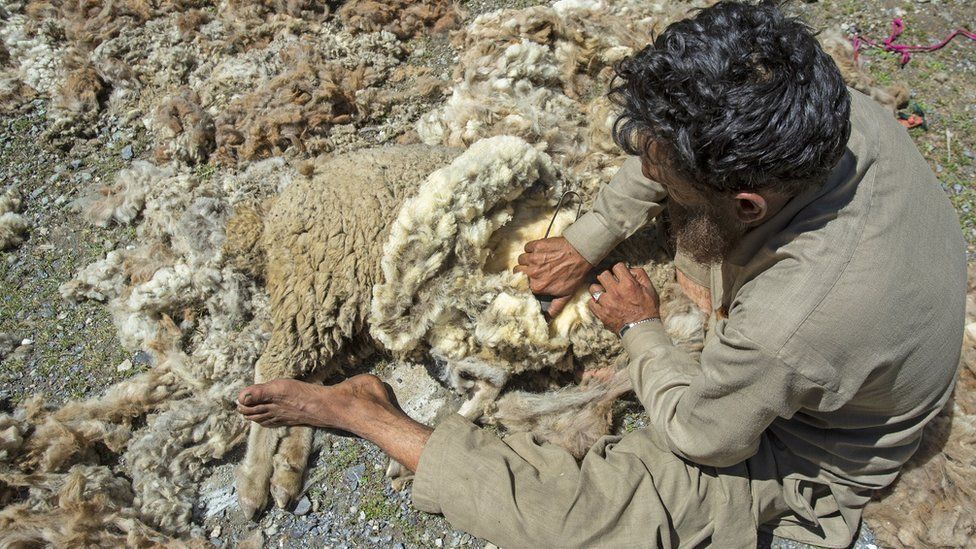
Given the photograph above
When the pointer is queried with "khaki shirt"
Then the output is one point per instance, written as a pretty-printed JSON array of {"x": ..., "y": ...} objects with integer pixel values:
[{"x": 844, "y": 328}]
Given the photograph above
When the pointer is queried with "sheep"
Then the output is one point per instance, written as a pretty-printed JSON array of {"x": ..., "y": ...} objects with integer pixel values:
[{"x": 363, "y": 255}]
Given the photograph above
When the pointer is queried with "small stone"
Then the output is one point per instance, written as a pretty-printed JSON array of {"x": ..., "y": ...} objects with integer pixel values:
[
  {"x": 216, "y": 532},
  {"x": 125, "y": 366},
  {"x": 127, "y": 152},
  {"x": 74, "y": 164},
  {"x": 142, "y": 357},
  {"x": 27, "y": 342},
  {"x": 85, "y": 176},
  {"x": 303, "y": 507},
  {"x": 438, "y": 542},
  {"x": 272, "y": 530},
  {"x": 353, "y": 475},
  {"x": 940, "y": 77}
]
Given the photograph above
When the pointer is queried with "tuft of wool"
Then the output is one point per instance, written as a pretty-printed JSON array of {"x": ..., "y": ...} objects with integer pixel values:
[
  {"x": 79, "y": 98},
  {"x": 184, "y": 131},
  {"x": 573, "y": 417},
  {"x": 122, "y": 201},
  {"x": 296, "y": 109},
  {"x": 404, "y": 18},
  {"x": 13, "y": 225}
]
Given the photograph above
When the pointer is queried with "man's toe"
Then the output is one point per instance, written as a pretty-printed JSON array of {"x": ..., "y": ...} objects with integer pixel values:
[{"x": 252, "y": 395}]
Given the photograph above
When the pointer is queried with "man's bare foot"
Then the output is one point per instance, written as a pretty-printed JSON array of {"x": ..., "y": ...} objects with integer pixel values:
[{"x": 284, "y": 402}]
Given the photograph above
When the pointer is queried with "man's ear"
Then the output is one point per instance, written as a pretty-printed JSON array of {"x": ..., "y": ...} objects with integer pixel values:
[{"x": 750, "y": 207}]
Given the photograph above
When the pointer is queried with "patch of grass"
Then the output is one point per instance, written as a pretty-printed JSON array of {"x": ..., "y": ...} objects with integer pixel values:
[{"x": 205, "y": 171}]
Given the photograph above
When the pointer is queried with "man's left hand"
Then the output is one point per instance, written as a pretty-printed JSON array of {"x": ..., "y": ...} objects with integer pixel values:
[{"x": 627, "y": 296}]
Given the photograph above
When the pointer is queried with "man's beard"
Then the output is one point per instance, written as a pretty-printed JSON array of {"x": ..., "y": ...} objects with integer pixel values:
[{"x": 706, "y": 234}]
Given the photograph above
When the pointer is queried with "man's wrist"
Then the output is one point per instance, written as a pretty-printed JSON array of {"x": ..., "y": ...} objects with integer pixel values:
[
  {"x": 591, "y": 238},
  {"x": 626, "y": 327}
]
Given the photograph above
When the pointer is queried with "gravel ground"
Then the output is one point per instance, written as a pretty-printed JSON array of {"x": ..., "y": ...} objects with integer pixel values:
[{"x": 70, "y": 351}]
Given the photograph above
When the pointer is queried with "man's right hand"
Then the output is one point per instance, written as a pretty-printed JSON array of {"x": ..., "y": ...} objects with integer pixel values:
[{"x": 555, "y": 268}]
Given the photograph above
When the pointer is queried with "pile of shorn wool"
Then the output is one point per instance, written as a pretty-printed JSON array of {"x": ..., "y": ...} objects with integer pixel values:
[{"x": 242, "y": 101}]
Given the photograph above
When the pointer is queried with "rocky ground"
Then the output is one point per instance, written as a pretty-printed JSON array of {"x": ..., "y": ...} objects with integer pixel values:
[{"x": 68, "y": 350}]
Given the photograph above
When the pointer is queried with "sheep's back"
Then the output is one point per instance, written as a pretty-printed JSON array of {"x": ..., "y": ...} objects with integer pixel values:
[{"x": 324, "y": 239}]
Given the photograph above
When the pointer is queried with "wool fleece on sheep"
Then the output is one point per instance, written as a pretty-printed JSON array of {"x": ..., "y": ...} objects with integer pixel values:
[{"x": 366, "y": 253}]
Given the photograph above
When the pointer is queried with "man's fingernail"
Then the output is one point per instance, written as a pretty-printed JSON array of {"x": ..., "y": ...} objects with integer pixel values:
[{"x": 247, "y": 399}]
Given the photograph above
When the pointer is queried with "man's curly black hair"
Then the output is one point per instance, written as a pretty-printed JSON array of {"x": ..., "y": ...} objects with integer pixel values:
[{"x": 741, "y": 96}]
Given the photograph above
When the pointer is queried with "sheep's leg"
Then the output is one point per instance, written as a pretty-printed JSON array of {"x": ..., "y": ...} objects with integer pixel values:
[
  {"x": 254, "y": 475},
  {"x": 484, "y": 393},
  {"x": 291, "y": 459},
  {"x": 290, "y": 463},
  {"x": 398, "y": 474}
]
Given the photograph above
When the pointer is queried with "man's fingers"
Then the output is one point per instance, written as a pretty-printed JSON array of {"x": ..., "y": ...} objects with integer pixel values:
[
  {"x": 531, "y": 245},
  {"x": 623, "y": 274},
  {"x": 521, "y": 269},
  {"x": 558, "y": 305},
  {"x": 642, "y": 277},
  {"x": 523, "y": 259},
  {"x": 594, "y": 288},
  {"x": 596, "y": 308},
  {"x": 607, "y": 279}
]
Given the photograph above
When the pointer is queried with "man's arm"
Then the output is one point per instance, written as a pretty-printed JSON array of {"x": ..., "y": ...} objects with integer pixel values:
[
  {"x": 713, "y": 412},
  {"x": 622, "y": 207}
]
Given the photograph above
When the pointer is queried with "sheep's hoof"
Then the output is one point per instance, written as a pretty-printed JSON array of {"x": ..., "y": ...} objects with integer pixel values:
[
  {"x": 290, "y": 462},
  {"x": 399, "y": 475},
  {"x": 281, "y": 496},
  {"x": 250, "y": 508},
  {"x": 254, "y": 474}
]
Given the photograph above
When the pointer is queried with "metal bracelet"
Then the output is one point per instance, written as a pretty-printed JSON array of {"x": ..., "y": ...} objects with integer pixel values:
[{"x": 629, "y": 325}]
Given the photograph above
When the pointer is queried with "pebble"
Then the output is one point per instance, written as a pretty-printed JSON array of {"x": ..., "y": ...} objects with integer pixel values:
[
  {"x": 142, "y": 357},
  {"x": 125, "y": 366},
  {"x": 303, "y": 507},
  {"x": 216, "y": 532},
  {"x": 127, "y": 152},
  {"x": 353, "y": 474}
]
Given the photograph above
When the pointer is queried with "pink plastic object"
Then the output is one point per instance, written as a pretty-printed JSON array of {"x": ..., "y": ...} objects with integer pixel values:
[{"x": 906, "y": 51}]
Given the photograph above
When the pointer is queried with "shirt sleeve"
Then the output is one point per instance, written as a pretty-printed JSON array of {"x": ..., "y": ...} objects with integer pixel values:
[
  {"x": 713, "y": 412},
  {"x": 622, "y": 207}
]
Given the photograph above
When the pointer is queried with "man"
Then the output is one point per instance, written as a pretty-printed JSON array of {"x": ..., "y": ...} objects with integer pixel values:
[{"x": 808, "y": 223}]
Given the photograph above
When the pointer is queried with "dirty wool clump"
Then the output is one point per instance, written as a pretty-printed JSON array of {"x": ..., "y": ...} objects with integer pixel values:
[
  {"x": 145, "y": 445},
  {"x": 13, "y": 225},
  {"x": 245, "y": 79},
  {"x": 404, "y": 18}
]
